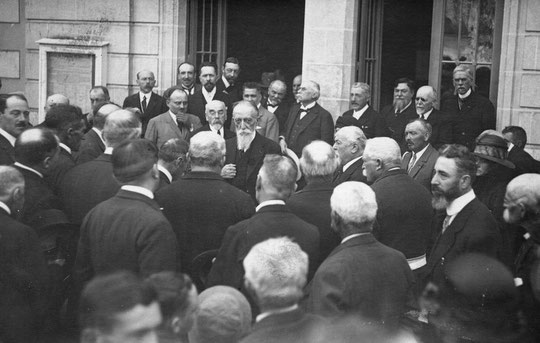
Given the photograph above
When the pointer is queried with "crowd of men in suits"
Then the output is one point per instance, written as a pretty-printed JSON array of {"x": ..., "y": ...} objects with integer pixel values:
[{"x": 412, "y": 224}]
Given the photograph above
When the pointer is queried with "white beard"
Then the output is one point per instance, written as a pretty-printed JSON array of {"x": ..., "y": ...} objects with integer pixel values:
[{"x": 244, "y": 140}]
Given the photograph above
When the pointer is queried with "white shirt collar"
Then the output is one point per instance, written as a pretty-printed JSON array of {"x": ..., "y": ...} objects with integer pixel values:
[
  {"x": 466, "y": 94},
  {"x": 20, "y": 165},
  {"x": 65, "y": 147},
  {"x": 358, "y": 114},
  {"x": 510, "y": 146},
  {"x": 138, "y": 189},
  {"x": 458, "y": 204},
  {"x": 173, "y": 116},
  {"x": 350, "y": 163},
  {"x": 147, "y": 95},
  {"x": 5, "y": 207},
  {"x": 272, "y": 312},
  {"x": 9, "y": 137},
  {"x": 426, "y": 115},
  {"x": 311, "y": 105},
  {"x": 268, "y": 203},
  {"x": 348, "y": 238},
  {"x": 420, "y": 153},
  {"x": 221, "y": 131},
  {"x": 165, "y": 171},
  {"x": 99, "y": 133},
  {"x": 209, "y": 96},
  {"x": 108, "y": 150},
  {"x": 225, "y": 82}
]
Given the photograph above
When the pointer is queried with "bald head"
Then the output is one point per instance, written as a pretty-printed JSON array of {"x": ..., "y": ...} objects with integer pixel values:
[
  {"x": 216, "y": 114},
  {"x": 101, "y": 112},
  {"x": 54, "y": 100},
  {"x": 276, "y": 92},
  {"x": 426, "y": 98},
  {"x": 36, "y": 147},
  {"x": 121, "y": 125},
  {"x": 318, "y": 160},
  {"x": 522, "y": 199},
  {"x": 10, "y": 178}
]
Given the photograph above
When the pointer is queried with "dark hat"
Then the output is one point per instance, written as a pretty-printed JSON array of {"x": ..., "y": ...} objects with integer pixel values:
[{"x": 493, "y": 148}]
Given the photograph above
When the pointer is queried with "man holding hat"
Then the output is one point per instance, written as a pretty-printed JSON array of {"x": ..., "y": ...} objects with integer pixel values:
[{"x": 128, "y": 231}]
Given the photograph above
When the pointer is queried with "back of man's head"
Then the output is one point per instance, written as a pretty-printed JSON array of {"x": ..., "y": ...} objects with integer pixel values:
[
  {"x": 354, "y": 208},
  {"x": 121, "y": 125},
  {"x": 11, "y": 186},
  {"x": 35, "y": 146},
  {"x": 61, "y": 118},
  {"x": 178, "y": 301},
  {"x": 384, "y": 149},
  {"x": 173, "y": 149},
  {"x": 276, "y": 272},
  {"x": 101, "y": 112},
  {"x": 519, "y": 135},
  {"x": 318, "y": 160},
  {"x": 133, "y": 159},
  {"x": 522, "y": 200},
  {"x": 207, "y": 150},
  {"x": 277, "y": 177},
  {"x": 55, "y": 100},
  {"x": 107, "y": 297}
]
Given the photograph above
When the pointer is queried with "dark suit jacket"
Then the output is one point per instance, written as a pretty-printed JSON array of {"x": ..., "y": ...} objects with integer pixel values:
[
  {"x": 523, "y": 161},
  {"x": 7, "y": 152},
  {"x": 281, "y": 113},
  {"x": 234, "y": 92},
  {"x": 371, "y": 122},
  {"x": 404, "y": 215},
  {"x": 197, "y": 103},
  {"x": 476, "y": 115},
  {"x": 441, "y": 128},
  {"x": 269, "y": 222},
  {"x": 156, "y": 105},
  {"x": 23, "y": 281},
  {"x": 316, "y": 124},
  {"x": 397, "y": 122},
  {"x": 162, "y": 128},
  {"x": 422, "y": 171},
  {"x": 259, "y": 148},
  {"x": 312, "y": 204},
  {"x": 126, "y": 232},
  {"x": 289, "y": 327},
  {"x": 353, "y": 173},
  {"x": 474, "y": 229},
  {"x": 200, "y": 206},
  {"x": 86, "y": 185},
  {"x": 91, "y": 147},
  {"x": 362, "y": 276},
  {"x": 163, "y": 180},
  {"x": 55, "y": 175},
  {"x": 206, "y": 127}
]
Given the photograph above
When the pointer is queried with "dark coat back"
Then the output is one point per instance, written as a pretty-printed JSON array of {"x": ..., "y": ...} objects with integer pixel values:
[
  {"x": 269, "y": 222},
  {"x": 476, "y": 115},
  {"x": 234, "y": 92},
  {"x": 371, "y": 122},
  {"x": 362, "y": 276},
  {"x": 156, "y": 105},
  {"x": 206, "y": 127},
  {"x": 281, "y": 113},
  {"x": 404, "y": 215},
  {"x": 353, "y": 173},
  {"x": 55, "y": 175},
  {"x": 397, "y": 122},
  {"x": 317, "y": 124},
  {"x": 289, "y": 327},
  {"x": 473, "y": 230},
  {"x": 441, "y": 126},
  {"x": 312, "y": 204},
  {"x": 91, "y": 147},
  {"x": 197, "y": 103},
  {"x": 86, "y": 185},
  {"x": 200, "y": 206},
  {"x": 126, "y": 232},
  {"x": 7, "y": 152},
  {"x": 422, "y": 171},
  {"x": 523, "y": 161},
  {"x": 259, "y": 148}
]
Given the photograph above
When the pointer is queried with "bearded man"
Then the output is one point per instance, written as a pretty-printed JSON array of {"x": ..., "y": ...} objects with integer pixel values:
[
  {"x": 245, "y": 152},
  {"x": 465, "y": 224}
]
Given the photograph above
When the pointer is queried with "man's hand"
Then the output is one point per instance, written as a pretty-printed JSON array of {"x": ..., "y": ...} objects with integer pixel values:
[
  {"x": 228, "y": 171},
  {"x": 283, "y": 145}
]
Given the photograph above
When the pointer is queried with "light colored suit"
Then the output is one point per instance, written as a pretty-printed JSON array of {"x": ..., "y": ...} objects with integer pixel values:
[
  {"x": 267, "y": 126},
  {"x": 162, "y": 128},
  {"x": 422, "y": 171}
]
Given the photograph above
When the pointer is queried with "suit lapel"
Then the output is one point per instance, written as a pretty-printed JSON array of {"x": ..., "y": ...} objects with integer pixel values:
[
  {"x": 173, "y": 125},
  {"x": 308, "y": 118},
  {"x": 152, "y": 103},
  {"x": 421, "y": 162}
]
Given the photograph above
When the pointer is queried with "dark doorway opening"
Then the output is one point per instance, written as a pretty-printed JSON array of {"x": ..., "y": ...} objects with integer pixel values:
[
  {"x": 266, "y": 36},
  {"x": 406, "y": 44}
]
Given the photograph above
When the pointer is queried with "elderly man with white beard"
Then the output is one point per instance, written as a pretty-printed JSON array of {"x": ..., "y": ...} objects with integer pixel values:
[{"x": 246, "y": 152}]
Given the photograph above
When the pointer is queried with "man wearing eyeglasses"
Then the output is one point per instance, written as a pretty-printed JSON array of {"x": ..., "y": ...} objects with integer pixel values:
[
  {"x": 426, "y": 98},
  {"x": 245, "y": 153}
]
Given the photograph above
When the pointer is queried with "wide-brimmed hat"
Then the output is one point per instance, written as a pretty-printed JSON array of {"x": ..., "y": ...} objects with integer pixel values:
[{"x": 493, "y": 148}]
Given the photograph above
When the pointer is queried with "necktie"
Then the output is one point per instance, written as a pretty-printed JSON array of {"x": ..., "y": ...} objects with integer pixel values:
[
  {"x": 446, "y": 223},
  {"x": 219, "y": 132},
  {"x": 303, "y": 113},
  {"x": 460, "y": 102},
  {"x": 411, "y": 162},
  {"x": 422, "y": 117},
  {"x": 144, "y": 103}
]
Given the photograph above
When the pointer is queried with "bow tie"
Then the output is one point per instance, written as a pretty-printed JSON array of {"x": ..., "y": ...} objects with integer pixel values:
[{"x": 273, "y": 106}]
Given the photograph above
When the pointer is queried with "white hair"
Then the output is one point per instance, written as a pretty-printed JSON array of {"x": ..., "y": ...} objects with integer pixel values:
[
  {"x": 354, "y": 134},
  {"x": 354, "y": 202},
  {"x": 384, "y": 149},
  {"x": 277, "y": 271},
  {"x": 206, "y": 149},
  {"x": 318, "y": 159}
]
